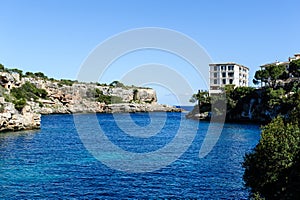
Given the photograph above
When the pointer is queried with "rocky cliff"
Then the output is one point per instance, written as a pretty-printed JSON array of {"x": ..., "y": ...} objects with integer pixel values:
[
  {"x": 53, "y": 96},
  {"x": 12, "y": 120},
  {"x": 258, "y": 106}
]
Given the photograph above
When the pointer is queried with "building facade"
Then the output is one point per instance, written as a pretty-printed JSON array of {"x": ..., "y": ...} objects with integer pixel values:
[{"x": 221, "y": 74}]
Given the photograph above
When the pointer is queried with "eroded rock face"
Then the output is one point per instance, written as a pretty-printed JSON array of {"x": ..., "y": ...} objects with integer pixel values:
[
  {"x": 75, "y": 98},
  {"x": 133, "y": 107},
  {"x": 12, "y": 120},
  {"x": 78, "y": 98}
]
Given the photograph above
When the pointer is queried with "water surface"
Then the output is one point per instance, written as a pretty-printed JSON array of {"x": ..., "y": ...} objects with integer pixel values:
[{"x": 53, "y": 163}]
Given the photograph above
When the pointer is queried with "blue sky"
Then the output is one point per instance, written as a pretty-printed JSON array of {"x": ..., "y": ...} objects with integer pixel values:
[{"x": 56, "y": 36}]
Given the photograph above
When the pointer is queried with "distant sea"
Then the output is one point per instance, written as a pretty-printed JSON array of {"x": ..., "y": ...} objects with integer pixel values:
[
  {"x": 186, "y": 108},
  {"x": 53, "y": 163}
]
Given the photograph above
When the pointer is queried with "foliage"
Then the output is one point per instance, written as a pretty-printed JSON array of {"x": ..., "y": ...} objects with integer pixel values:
[
  {"x": 104, "y": 99},
  {"x": 241, "y": 92},
  {"x": 101, "y": 84},
  {"x": 135, "y": 94},
  {"x": 66, "y": 82},
  {"x": 18, "y": 71},
  {"x": 100, "y": 97},
  {"x": 29, "y": 74},
  {"x": 275, "y": 96},
  {"x": 294, "y": 68},
  {"x": 27, "y": 91},
  {"x": 204, "y": 101},
  {"x": 116, "y": 99},
  {"x": 19, "y": 103},
  {"x": 1, "y": 67},
  {"x": 201, "y": 96},
  {"x": 269, "y": 75},
  {"x": 269, "y": 167},
  {"x": 40, "y": 75},
  {"x": 116, "y": 84},
  {"x": 1, "y": 108},
  {"x": 93, "y": 93}
]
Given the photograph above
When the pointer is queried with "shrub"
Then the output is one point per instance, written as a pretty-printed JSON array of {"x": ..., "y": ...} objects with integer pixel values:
[
  {"x": 116, "y": 99},
  {"x": 19, "y": 103},
  {"x": 271, "y": 168},
  {"x": 28, "y": 91},
  {"x": 66, "y": 82},
  {"x": 93, "y": 93},
  {"x": 116, "y": 84},
  {"x": 2, "y": 67},
  {"x": 1, "y": 108},
  {"x": 40, "y": 75}
]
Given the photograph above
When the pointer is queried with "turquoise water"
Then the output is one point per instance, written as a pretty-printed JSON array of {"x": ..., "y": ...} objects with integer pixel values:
[{"x": 53, "y": 163}]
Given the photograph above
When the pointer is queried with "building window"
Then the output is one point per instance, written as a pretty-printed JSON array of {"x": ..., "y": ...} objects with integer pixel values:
[
  {"x": 230, "y": 81},
  {"x": 230, "y": 67},
  {"x": 223, "y": 67},
  {"x": 215, "y": 68},
  {"x": 224, "y": 74},
  {"x": 224, "y": 81},
  {"x": 230, "y": 74},
  {"x": 215, "y": 75},
  {"x": 215, "y": 81}
]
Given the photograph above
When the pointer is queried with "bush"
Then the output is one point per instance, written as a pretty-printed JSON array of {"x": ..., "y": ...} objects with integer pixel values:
[
  {"x": 28, "y": 91},
  {"x": 1, "y": 108},
  {"x": 117, "y": 84},
  {"x": 116, "y": 99},
  {"x": 271, "y": 168},
  {"x": 19, "y": 103},
  {"x": 93, "y": 93},
  {"x": 104, "y": 99},
  {"x": 2, "y": 68},
  {"x": 40, "y": 75},
  {"x": 66, "y": 82},
  {"x": 18, "y": 71}
]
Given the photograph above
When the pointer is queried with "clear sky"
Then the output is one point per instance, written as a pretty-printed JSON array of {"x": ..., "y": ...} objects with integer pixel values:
[{"x": 55, "y": 36}]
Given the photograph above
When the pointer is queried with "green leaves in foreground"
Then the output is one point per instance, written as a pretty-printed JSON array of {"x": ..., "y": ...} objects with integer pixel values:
[{"x": 272, "y": 170}]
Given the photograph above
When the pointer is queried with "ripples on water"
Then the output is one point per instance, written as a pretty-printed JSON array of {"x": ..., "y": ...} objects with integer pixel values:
[{"x": 53, "y": 163}]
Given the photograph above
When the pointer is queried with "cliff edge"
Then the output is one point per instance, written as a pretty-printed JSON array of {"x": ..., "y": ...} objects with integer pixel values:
[{"x": 24, "y": 98}]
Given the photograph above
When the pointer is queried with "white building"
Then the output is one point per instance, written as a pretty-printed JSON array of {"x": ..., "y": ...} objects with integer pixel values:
[
  {"x": 221, "y": 74},
  {"x": 296, "y": 57}
]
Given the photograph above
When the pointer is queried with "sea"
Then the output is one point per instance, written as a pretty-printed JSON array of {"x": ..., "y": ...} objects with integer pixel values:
[{"x": 125, "y": 156}]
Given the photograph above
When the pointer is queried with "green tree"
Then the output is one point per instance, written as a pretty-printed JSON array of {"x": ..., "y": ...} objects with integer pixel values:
[
  {"x": 203, "y": 99},
  {"x": 2, "y": 68},
  {"x": 40, "y": 75},
  {"x": 269, "y": 75},
  {"x": 20, "y": 72},
  {"x": 294, "y": 68},
  {"x": 269, "y": 169},
  {"x": 201, "y": 96},
  {"x": 29, "y": 74},
  {"x": 116, "y": 84}
]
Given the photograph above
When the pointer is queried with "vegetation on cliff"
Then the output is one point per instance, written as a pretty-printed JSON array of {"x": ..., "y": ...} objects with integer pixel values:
[
  {"x": 98, "y": 95},
  {"x": 272, "y": 168},
  {"x": 45, "y": 95}
]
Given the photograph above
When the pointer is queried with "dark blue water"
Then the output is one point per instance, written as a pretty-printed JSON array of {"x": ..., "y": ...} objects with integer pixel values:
[{"x": 52, "y": 163}]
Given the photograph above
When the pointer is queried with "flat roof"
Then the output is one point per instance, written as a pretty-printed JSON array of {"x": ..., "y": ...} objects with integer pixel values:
[{"x": 228, "y": 63}]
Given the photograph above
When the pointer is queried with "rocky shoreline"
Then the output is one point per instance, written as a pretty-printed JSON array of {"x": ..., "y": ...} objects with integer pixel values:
[{"x": 71, "y": 98}]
